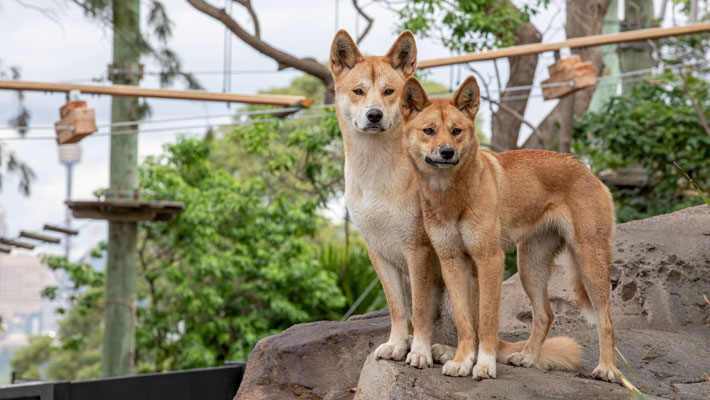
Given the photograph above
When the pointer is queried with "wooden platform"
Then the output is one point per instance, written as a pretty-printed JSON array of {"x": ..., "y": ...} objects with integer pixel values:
[{"x": 126, "y": 210}]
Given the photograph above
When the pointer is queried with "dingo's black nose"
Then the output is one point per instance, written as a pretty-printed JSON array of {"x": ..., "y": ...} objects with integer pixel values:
[
  {"x": 374, "y": 115},
  {"x": 447, "y": 152}
]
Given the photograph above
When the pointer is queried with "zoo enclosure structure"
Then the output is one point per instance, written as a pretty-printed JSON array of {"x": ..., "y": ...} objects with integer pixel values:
[{"x": 585, "y": 41}]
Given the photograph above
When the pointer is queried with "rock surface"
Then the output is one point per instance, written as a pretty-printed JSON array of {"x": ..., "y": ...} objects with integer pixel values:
[{"x": 661, "y": 271}]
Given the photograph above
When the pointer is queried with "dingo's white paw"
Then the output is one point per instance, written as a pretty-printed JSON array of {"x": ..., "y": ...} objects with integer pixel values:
[
  {"x": 442, "y": 353},
  {"x": 605, "y": 373},
  {"x": 419, "y": 360},
  {"x": 485, "y": 367},
  {"x": 420, "y": 354},
  {"x": 391, "y": 351},
  {"x": 453, "y": 368},
  {"x": 522, "y": 359}
]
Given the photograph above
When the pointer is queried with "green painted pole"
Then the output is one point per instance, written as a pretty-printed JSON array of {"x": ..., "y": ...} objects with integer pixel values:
[
  {"x": 604, "y": 92},
  {"x": 637, "y": 55},
  {"x": 120, "y": 295}
]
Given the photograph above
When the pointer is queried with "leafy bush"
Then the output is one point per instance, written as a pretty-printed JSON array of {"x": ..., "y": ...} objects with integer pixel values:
[
  {"x": 238, "y": 264},
  {"x": 651, "y": 127}
]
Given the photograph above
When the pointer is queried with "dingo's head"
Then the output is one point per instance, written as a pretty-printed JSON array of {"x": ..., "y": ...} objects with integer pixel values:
[
  {"x": 367, "y": 88},
  {"x": 439, "y": 133}
]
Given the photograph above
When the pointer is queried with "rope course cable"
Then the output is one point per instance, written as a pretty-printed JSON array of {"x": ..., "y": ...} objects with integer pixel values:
[
  {"x": 178, "y": 128},
  {"x": 299, "y": 113}
]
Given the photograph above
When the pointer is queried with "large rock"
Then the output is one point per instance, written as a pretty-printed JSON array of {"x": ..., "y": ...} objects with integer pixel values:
[
  {"x": 660, "y": 273},
  {"x": 318, "y": 360}
]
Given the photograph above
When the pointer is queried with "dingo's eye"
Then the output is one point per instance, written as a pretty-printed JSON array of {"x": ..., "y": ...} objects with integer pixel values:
[
  {"x": 429, "y": 131},
  {"x": 456, "y": 132},
  {"x": 358, "y": 92},
  {"x": 389, "y": 91}
]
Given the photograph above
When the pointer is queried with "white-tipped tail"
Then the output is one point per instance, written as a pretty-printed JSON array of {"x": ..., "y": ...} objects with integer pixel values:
[{"x": 559, "y": 353}]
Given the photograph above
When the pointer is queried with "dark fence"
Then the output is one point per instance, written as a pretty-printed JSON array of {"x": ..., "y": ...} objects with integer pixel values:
[{"x": 218, "y": 383}]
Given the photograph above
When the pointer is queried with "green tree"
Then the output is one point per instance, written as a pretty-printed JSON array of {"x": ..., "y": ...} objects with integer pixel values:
[
  {"x": 9, "y": 163},
  {"x": 235, "y": 266},
  {"x": 468, "y": 25},
  {"x": 239, "y": 263},
  {"x": 653, "y": 126}
]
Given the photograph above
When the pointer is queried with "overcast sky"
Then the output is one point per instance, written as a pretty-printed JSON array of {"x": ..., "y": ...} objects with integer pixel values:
[{"x": 70, "y": 47}]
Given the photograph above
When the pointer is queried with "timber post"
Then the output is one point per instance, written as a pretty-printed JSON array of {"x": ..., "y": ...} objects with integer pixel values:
[{"x": 120, "y": 294}]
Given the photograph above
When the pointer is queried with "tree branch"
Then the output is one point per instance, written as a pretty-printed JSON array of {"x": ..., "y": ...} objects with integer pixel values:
[
  {"x": 515, "y": 114},
  {"x": 369, "y": 19},
  {"x": 584, "y": 18},
  {"x": 255, "y": 20},
  {"x": 283, "y": 59}
]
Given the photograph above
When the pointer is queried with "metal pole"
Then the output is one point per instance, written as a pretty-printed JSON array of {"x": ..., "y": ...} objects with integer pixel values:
[
  {"x": 120, "y": 295},
  {"x": 67, "y": 221}
]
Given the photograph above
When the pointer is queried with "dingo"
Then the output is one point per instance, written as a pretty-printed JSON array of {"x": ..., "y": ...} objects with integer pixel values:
[
  {"x": 383, "y": 199},
  {"x": 476, "y": 203}
]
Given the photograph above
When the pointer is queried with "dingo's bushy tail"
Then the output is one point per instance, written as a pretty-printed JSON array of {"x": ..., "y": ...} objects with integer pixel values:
[{"x": 559, "y": 353}]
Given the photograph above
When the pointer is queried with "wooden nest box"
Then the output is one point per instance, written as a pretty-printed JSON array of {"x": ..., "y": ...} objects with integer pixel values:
[
  {"x": 572, "y": 74},
  {"x": 77, "y": 121}
]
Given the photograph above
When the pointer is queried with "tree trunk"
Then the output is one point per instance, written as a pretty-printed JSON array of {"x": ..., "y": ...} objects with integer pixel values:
[
  {"x": 584, "y": 18},
  {"x": 505, "y": 130}
]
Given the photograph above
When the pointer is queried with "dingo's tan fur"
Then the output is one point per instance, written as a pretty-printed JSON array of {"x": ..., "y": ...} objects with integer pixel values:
[
  {"x": 382, "y": 196},
  {"x": 477, "y": 203}
]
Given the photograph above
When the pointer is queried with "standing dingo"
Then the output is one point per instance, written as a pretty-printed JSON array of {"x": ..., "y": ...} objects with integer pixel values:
[
  {"x": 476, "y": 203},
  {"x": 382, "y": 195}
]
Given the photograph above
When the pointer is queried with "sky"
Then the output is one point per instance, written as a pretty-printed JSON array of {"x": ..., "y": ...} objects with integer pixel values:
[{"x": 62, "y": 45}]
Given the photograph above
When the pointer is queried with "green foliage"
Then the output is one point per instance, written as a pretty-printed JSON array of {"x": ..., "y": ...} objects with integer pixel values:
[
  {"x": 28, "y": 360},
  {"x": 352, "y": 266},
  {"x": 652, "y": 127},
  {"x": 236, "y": 265},
  {"x": 239, "y": 263},
  {"x": 301, "y": 158},
  {"x": 304, "y": 85},
  {"x": 466, "y": 25},
  {"x": 9, "y": 163},
  {"x": 74, "y": 355}
]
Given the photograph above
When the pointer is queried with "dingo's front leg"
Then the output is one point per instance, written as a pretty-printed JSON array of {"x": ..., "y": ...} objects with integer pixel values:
[
  {"x": 490, "y": 278},
  {"x": 458, "y": 278},
  {"x": 396, "y": 347},
  {"x": 419, "y": 261}
]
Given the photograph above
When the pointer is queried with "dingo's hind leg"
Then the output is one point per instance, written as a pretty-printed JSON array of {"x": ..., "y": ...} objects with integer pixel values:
[
  {"x": 593, "y": 259},
  {"x": 535, "y": 256}
]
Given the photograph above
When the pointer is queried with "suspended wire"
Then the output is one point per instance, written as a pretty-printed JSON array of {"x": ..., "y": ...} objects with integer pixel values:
[
  {"x": 173, "y": 119},
  {"x": 177, "y": 128},
  {"x": 601, "y": 81}
]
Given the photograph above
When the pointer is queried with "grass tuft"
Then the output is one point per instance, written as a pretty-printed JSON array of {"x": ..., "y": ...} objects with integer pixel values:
[
  {"x": 627, "y": 384},
  {"x": 701, "y": 193}
]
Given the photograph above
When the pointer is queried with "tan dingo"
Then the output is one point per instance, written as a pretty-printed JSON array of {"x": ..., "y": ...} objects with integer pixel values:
[
  {"x": 383, "y": 199},
  {"x": 476, "y": 203}
]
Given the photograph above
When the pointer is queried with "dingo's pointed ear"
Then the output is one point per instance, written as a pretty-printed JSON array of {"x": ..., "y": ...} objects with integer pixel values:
[
  {"x": 343, "y": 54},
  {"x": 413, "y": 99},
  {"x": 468, "y": 97},
  {"x": 403, "y": 54}
]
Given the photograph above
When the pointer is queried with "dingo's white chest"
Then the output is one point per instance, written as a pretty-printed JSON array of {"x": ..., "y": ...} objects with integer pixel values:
[{"x": 387, "y": 221}]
